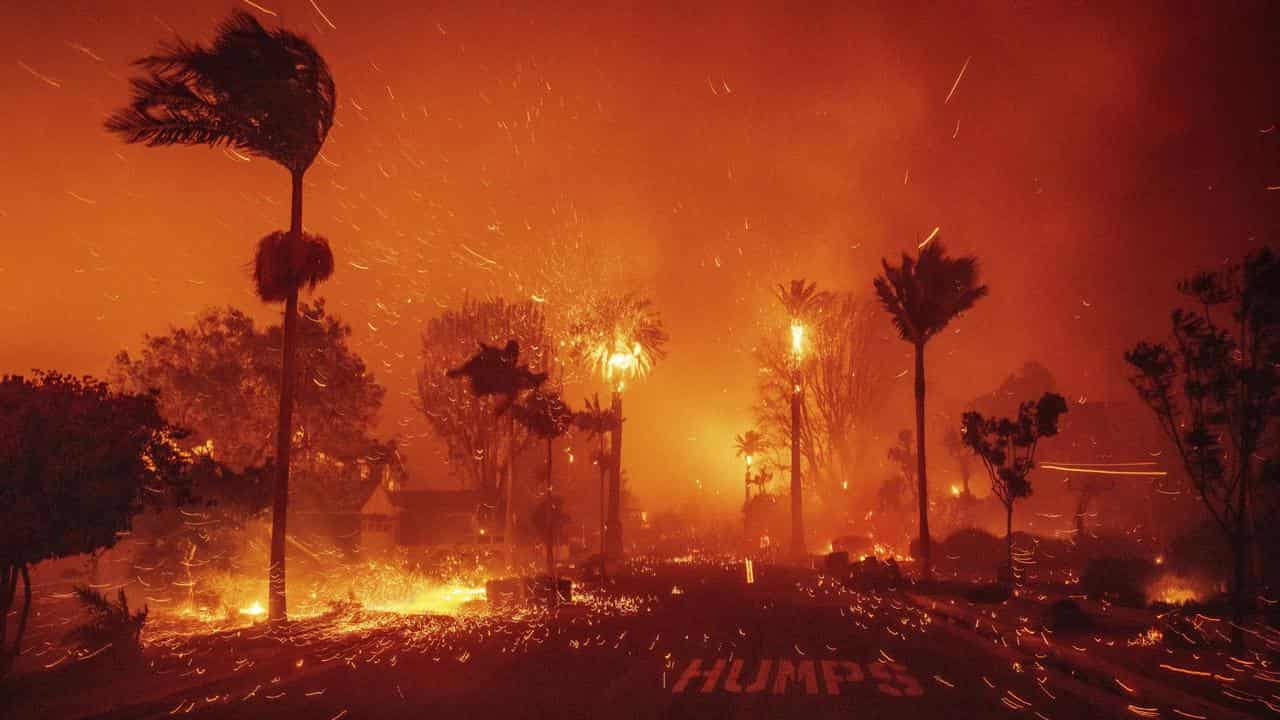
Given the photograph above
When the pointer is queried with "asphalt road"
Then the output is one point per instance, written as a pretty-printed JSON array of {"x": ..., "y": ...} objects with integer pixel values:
[{"x": 714, "y": 648}]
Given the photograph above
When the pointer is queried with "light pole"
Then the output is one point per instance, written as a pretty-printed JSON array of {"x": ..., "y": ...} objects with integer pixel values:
[{"x": 797, "y": 517}]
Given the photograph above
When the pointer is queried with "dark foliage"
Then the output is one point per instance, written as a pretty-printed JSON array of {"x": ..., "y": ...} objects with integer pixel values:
[
  {"x": 922, "y": 296},
  {"x": 80, "y": 462},
  {"x": 1066, "y": 615},
  {"x": 265, "y": 92},
  {"x": 284, "y": 265},
  {"x": 1122, "y": 580},
  {"x": 1215, "y": 389},
  {"x": 110, "y": 624},
  {"x": 1007, "y": 448}
]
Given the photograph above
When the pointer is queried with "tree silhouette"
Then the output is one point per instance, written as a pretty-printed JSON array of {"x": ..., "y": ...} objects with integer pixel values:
[
  {"x": 79, "y": 462},
  {"x": 496, "y": 372},
  {"x": 267, "y": 93},
  {"x": 1216, "y": 393},
  {"x": 471, "y": 425},
  {"x": 597, "y": 422},
  {"x": 803, "y": 304},
  {"x": 619, "y": 337},
  {"x": 547, "y": 416},
  {"x": 922, "y": 295},
  {"x": 219, "y": 376},
  {"x": 842, "y": 389},
  {"x": 903, "y": 457},
  {"x": 749, "y": 446},
  {"x": 1007, "y": 448}
]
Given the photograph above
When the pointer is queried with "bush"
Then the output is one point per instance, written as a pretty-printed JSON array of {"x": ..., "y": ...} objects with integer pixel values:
[
  {"x": 110, "y": 623},
  {"x": 1120, "y": 580},
  {"x": 1067, "y": 616},
  {"x": 970, "y": 550},
  {"x": 989, "y": 593}
]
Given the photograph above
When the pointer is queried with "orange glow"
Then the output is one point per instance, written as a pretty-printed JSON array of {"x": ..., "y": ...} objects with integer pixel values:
[{"x": 797, "y": 339}]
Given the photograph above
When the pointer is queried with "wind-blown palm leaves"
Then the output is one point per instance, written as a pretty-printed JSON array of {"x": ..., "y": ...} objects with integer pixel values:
[
  {"x": 268, "y": 93},
  {"x": 596, "y": 420},
  {"x": 801, "y": 299},
  {"x": 618, "y": 337},
  {"x": 547, "y": 416},
  {"x": 749, "y": 444},
  {"x": 923, "y": 295}
]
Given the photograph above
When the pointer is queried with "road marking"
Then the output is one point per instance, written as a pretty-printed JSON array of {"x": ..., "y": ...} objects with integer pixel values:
[{"x": 788, "y": 675}]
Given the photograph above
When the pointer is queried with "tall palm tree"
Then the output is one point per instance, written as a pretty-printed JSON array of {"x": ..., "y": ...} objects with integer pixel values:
[
  {"x": 803, "y": 303},
  {"x": 922, "y": 295},
  {"x": 267, "y": 93},
  {"x": 598, "y": 421},
  {"x": 620, "y": 337},
  {"x": 547, "y": 416}
]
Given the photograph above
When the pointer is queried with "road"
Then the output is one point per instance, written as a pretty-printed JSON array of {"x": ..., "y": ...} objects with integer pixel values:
[{"x": 702, "y": 644}]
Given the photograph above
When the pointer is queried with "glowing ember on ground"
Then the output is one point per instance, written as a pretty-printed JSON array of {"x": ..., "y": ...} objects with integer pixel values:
[
  {"x": 1174, "y": 590},
  {"x": 435, "y": 600}
]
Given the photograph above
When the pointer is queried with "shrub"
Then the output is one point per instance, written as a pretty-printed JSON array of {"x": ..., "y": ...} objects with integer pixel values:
[
  {"x": 970, "y": 550},
  {"x": 1116, "y": 579},
  {"x": 989, "y": 593},
  {"x": 110, "y": 623},
  {"x": 1067, "y": 616}
]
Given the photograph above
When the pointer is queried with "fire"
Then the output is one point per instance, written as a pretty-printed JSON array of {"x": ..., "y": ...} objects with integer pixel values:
[
  {"x": 449, "y": 599},
  {"x": 797, "y": 338},
  {"x": 955, "y": 491},
  {"x": 1174, "y": 590},
  {"x": 254, "y": 610}
]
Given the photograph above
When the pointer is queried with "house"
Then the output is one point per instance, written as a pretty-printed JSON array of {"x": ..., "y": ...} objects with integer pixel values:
[{"x": 420, "y": 518}]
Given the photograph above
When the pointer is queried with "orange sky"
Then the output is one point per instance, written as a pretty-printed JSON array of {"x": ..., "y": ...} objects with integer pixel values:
[{"x": 1090, "y": 156}]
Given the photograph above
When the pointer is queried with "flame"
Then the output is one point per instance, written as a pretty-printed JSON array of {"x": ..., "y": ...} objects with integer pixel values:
[
  {"x": 955, "y": 491},
  {"x": 1174, "y": 590},
  {"x": 254, "y": 610},
  {"x": 797, "y": 338},
  {"x": 616, "y": 363}
]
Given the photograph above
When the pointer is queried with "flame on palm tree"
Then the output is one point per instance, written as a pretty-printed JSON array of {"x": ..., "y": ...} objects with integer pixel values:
[{"x": 619, "y": 337}]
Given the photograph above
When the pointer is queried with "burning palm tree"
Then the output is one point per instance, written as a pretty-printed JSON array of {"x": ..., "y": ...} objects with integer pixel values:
[
  {"x": 923, "y": 295},
  {"x": 619, "y": 337},
  {"x": 802, "y": 302},
  {"x": 267, "y": 93}
]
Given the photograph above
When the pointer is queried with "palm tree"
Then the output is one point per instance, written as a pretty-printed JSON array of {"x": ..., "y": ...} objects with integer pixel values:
[
  {"x": 597, "y": 422},
  {"x": 620, "y": 337},
  {"x": 802, "y": 303},
  {"x": 547, "y": 416},
  {"x": 922, "y": 295},
  {"x": 749, "y": 445},
  {"x": 267, "y": 93}
]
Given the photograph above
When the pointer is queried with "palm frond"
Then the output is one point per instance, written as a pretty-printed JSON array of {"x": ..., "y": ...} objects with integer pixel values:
[
  {"x": 922, "y": 295},
  {"x": 266, "y": 92}
]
